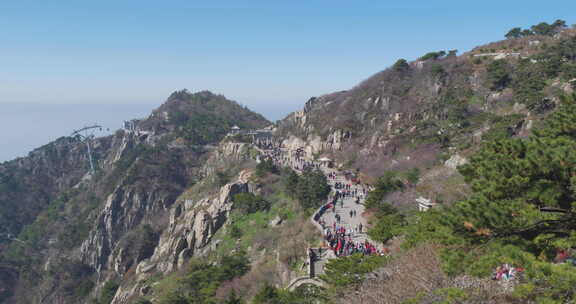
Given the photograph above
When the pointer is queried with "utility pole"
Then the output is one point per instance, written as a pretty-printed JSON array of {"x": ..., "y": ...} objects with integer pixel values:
[
  {"x": 10, "y": 237},
  {"x": 86, "y": 134}
]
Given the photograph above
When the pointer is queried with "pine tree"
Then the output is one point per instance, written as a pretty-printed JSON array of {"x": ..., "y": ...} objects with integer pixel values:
[{"x": 522, "y": 210}]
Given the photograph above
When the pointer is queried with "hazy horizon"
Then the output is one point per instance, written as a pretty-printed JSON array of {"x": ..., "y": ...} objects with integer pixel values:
[
  {"x": 33, "y": 125},
  {"x": 268, "y": 56}
]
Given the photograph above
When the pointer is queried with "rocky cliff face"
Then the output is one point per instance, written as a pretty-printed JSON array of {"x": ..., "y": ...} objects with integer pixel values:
[
  {"x": 191, "y": 226},
  {"x": 132, "y": 216},
  {"x": 185, "y": 226},
  {"x": 411, "y": 113},
  {"x": 28, "y": 184},
  {"x": 367, "y": 126}
]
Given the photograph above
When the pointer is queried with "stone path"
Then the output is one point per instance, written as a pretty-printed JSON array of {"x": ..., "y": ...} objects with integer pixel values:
[
  {"x": 349, "y": 204},
  {"x": 343, "y": 208}
]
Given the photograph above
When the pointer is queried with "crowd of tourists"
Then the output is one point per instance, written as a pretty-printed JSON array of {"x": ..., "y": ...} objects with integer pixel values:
[
  {"x": 340, "y": 240},
  {"x": 339, "y": 236},
  {"x": 342, "y": 237},
  {"x": 506, "y": 272},
  {"x": 294, "y": 160},
  {"x": 565, "y": 256}
]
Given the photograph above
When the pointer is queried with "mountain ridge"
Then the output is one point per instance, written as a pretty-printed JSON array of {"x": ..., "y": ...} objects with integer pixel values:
[
  {"x": 129, "y": 161},
  {"x": 165, "y": 198}
]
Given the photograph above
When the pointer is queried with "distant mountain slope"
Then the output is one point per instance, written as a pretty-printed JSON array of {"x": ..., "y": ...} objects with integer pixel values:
[
  {"x": 27, "y": 184},
  {"x": 52, "y": 205},
  {"x": 200, "y": 118}
]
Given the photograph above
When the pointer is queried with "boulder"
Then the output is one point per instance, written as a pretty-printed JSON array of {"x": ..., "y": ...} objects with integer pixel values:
[
  {"x": 455, "y": 161},
  {"x": 275, "y": 221}
]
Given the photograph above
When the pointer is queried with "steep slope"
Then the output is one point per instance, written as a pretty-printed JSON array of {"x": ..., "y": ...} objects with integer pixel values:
[
  {"x": 409, "y": 114},
  {"x": 28, "y": 184},
  {"x": 79, "y": 231},
  {"x": 508, "y": 236}
]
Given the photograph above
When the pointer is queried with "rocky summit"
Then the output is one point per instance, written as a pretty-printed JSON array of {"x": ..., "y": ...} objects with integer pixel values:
[{"x": 448, "y": 179}]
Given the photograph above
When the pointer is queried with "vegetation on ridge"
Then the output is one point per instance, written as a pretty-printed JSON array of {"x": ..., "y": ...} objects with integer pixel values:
[{"x": 519, "y": 210}]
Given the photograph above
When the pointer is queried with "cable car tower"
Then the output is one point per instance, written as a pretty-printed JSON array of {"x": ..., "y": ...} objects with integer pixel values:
[{"x": 86, "y": 134}]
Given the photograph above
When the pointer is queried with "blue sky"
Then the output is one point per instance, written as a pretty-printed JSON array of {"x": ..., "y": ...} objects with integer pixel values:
[{"x": 268, "y": 55}]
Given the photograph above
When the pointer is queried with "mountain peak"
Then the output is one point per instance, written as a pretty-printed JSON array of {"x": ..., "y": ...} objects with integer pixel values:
[{"x": 202, "y": 117}]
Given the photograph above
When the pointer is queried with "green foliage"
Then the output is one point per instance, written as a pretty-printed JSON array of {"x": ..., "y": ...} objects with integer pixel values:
[
  {"x": 433, "y": 55},
  {"x": 233, "y": 266},
  {"x": 235, "y": 232},
  {"x": 498, "y": 75},
  {"x": 74, "y": 278},
  {"x": 558, "y": 59},
  {"x": 527, "y": 32},
  {"x": 266, "y": 166},
  {"x": 568, "y": 71},
  {"x": 8, "y": 182},
  {"x": 502, "y": 127},
  {"x": 222, "y": 178},
  {"x": 14, "y": 212},
  {"x": 386, "y": 227},
  {"x": 146, "y": 242},
  {"x": 248, "y": 230},
  {"x": 521, "y": 210},
  {"x": 385, "y": 184},
  {"x": 401, "y": 65},
  {"x": 204, "y": 118},
  {"x": 202, "y": 279},
  {"x": 350, "y": 270},
  {"x": 247, "y": 203},
  {"x": 173, "y": 297},
  {"x": 542, "y": 28},
  {"x": 74, "y": 234},
  {"x": 83, "y": 288},
  {"x": 26, "y": 184},
  {"x": 388, "y": 221},
  {"x": 268, "y": 294},
  {"x": 202, "y": 129},
  {"x": 233, "y": 298},
  {"x": 289, "y": 179},
  {"x": 437, "y": 70},
  {"x": 548, "y": 283},
  {"x": 311, "y": 188},
  {"x": 451, "y": 295},
  {"x": 559, "y": 23},
  {"x": 306, "y": 294},
  {"x": 452, "y": 105},
  {"x": 139, "y": 244},
  {"x": 108, "y": 292},
  {"x": 34, "y": 237},
  {"x": 309, "y": 294},
  {"x": 425, "y": 226},
  {"x": 514, "y": 33},
  {"x": 128, "y": 157},
  {"x": 528, "y": 83},
  {"x": 413, "y": 175}
]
